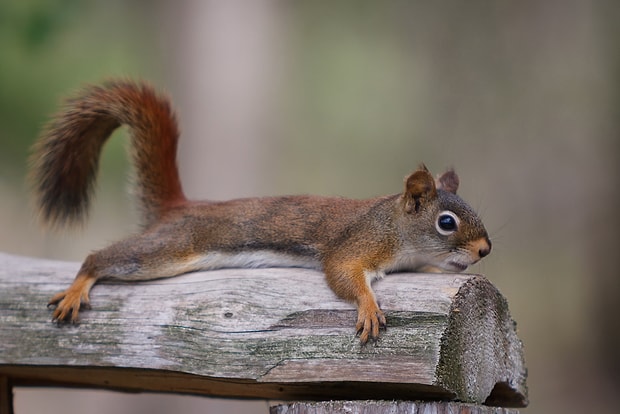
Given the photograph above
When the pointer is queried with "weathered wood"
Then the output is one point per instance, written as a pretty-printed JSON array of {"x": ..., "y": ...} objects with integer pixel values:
[
  {"x": 386, "y": 407},
  {"x": 263, "y": 333}
]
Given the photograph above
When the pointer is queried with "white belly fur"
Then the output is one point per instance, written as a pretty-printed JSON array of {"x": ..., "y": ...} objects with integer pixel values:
[{"x": 251, "y": 259}]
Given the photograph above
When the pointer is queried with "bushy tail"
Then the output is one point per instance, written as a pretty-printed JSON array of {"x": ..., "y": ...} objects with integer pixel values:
[{"x": 65, "y": 159}]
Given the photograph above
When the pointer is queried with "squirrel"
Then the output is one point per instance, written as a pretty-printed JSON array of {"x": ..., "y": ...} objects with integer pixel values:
[{"x": 427, "y": 227}]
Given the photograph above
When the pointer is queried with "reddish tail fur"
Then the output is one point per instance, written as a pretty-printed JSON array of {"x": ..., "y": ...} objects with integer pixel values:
[{"x": 65, "y": 160}]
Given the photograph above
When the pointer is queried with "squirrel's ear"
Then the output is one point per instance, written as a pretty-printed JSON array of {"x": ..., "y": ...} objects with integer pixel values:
[
  {"x": 419, "y": 188},
  {"x": 448, "y": 181}
]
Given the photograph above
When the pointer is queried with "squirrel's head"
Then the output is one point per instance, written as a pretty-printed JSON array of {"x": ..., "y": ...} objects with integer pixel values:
[{"x": 438, "y": 225}]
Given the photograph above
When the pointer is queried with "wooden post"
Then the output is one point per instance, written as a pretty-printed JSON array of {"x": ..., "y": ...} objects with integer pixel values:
[
  {"x": 263, "y": 333},
  {"x": 387, "y": 407},
  {"x": 6, "y": 395}
]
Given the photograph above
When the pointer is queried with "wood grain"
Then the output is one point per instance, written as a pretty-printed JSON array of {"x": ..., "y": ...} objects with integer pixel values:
[{"x": 263, "y": 333}]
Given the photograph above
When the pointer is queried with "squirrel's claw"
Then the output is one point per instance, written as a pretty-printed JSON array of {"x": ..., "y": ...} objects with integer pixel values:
[
  {"x": 68, "y": 304},
  {"x": 369, "y": 320}
]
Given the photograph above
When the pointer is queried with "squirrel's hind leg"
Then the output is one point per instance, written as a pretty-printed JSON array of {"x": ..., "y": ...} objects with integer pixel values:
[{"x": 139, "y": 257}]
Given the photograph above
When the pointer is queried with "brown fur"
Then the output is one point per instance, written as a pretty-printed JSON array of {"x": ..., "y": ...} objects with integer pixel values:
[{"x": 352, "y": 241}]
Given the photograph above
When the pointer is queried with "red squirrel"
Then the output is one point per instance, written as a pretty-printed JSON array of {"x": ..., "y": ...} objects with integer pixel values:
[{"x": 427, "y": 227}]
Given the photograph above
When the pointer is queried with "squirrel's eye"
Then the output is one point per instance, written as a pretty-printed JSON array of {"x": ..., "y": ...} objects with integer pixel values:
[{"x": 447, "y": 223}]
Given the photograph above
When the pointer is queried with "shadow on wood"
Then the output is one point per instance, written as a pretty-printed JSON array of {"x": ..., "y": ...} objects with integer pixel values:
[{"x": 263, "y": 333}]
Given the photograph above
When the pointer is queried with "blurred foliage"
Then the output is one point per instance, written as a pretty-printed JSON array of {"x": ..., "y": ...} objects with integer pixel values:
[
  {"x": 47, "y": 50},
  {"x": 31, "y": 24}
]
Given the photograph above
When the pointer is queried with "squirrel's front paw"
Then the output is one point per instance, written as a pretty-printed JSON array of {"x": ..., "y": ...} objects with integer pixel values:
[
  {"x": 369, "y": 320},
  {"x": 68, "y": 305}
]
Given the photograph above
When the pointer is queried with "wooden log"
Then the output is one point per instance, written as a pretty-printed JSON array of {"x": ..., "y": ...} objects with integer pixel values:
[
  {"x": 263, "y": 333},
  {"x": 385, "y": 407}
]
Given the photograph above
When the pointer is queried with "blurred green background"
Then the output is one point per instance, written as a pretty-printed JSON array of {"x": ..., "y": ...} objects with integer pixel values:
[{"x": 346, "y": 98}]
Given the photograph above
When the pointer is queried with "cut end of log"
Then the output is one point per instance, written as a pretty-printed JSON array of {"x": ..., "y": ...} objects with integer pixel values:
[{"x": 481, "y": 356}]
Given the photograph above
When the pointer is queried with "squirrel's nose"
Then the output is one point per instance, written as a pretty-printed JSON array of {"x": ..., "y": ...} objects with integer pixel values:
[
  {"x": 482, "y": 246},
  {"x": 485, "y": 248}
]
